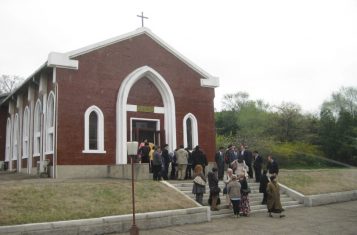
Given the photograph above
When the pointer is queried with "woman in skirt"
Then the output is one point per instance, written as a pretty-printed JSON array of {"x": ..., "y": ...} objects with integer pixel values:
[{"x": 244, "y": 202}]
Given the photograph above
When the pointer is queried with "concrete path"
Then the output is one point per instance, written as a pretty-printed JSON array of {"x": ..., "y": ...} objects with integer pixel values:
[{"x": 338, "y": 219}]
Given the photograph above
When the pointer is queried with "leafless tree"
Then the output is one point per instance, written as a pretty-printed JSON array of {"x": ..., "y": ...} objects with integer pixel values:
[{"x": 9, "y": 82}]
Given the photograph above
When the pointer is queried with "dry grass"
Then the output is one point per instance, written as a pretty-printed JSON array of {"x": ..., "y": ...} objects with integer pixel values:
[
  {"x": 310, "y": 182},
  {"x": 31, "y": 201}
]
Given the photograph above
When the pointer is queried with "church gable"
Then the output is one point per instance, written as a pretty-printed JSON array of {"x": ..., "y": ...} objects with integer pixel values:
[{"x": 68, "y": 60}]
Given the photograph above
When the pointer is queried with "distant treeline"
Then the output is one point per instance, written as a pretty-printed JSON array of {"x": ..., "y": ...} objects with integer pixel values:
[{"x": 286, "y": 130}]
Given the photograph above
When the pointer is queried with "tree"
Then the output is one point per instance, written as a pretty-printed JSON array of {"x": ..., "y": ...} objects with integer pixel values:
[
  {"x": 9, "y": 82},
  {"x": 343, "y": 100},
  {"x": 236, "y": 101},
  {"x": 288, "y": 119}
]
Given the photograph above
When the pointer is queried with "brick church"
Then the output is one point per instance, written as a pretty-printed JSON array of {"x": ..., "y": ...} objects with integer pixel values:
[{"x": 79, "y": 109}]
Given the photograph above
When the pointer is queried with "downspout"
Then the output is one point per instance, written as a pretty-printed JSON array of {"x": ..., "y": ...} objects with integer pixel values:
[{"x": 54, "y": 156}]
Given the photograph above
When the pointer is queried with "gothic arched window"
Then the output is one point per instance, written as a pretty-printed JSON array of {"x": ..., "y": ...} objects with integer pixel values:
[
  {"x": 190, "y": 131},
  {"x": 93, "y": 130}
]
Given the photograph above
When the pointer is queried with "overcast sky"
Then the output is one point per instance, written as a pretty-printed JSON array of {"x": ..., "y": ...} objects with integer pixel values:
[{"x": 279, "y": 51}]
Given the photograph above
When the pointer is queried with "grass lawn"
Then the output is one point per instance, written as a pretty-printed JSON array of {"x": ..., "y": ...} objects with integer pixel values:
[
  {"x": 43, "y": 200},
  {"x": 318, "y": 181}
]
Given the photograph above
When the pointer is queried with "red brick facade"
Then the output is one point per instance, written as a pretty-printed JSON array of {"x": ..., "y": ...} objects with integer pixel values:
[{"x": 97, "y": 82}]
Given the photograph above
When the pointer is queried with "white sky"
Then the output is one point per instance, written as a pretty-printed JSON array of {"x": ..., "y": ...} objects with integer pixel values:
[{"x": 292, "y": 51}]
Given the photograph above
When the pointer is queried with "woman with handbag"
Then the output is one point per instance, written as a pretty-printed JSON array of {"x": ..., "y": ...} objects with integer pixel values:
[
  {"x": 245, "y": 190},
  {"x": 199, "y": 184},
  {"x": 233, "y": 189}
]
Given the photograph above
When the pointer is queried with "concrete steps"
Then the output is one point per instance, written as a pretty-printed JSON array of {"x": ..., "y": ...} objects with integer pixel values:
[{"x": 255, "y": 198}]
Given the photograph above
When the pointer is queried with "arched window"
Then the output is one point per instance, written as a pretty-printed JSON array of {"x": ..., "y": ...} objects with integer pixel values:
[
  {"x": 190, "y": 131},
  {"x": 25, "y": 133},
  {"x": 93, "y": 130},
  {"x": 8, "y": 140},
  {"x": 15, "y": 147},
  {"x": 37, "y": 129},
  {"x": 50, "y": 120}
]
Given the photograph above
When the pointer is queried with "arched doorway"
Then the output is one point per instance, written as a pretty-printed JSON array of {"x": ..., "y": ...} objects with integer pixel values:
[{"x": 121, "y": 110}]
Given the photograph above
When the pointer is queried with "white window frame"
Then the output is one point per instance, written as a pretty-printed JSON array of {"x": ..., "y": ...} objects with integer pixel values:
[
  {"x": 15, "y": 146},
  {"x": 50, "y": 113},
  {"x": 37, "y": 129},
  {"x": 25, "y": 133},
  {"x": 8, "y": 140},
  {"x": 100, "y": 130},
  {"x": 194, "y": 128}
]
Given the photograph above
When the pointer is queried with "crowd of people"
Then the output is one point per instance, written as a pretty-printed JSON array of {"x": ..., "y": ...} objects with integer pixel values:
[
  {"x": 241, "y": 164},
  {"x": 177, "y": 165}
]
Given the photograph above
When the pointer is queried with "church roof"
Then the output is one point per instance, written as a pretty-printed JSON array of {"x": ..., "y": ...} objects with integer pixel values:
[{"x": 66, "y": 59}]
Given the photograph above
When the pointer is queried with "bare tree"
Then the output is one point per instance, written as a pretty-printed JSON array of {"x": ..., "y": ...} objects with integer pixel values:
[{"x": 9, "y": 82}]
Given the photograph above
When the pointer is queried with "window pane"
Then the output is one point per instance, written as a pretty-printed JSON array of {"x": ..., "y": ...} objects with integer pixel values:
[
  {"x": 189, "y": 133},
  {"x": 93, "y": 130}
]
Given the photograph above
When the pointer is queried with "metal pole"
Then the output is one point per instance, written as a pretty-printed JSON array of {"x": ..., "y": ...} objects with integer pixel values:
[{"x": 134, "y": 230}]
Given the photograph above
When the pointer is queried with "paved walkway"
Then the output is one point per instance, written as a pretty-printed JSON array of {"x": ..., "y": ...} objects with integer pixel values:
[{"x": 340, "y": 218}]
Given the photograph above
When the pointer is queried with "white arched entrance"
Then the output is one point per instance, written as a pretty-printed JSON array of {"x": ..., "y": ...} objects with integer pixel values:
[{"x": 121, "y": 110}]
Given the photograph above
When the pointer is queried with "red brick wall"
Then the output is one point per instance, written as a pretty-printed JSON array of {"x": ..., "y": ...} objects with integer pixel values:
[{"x": 97, "y": 82}]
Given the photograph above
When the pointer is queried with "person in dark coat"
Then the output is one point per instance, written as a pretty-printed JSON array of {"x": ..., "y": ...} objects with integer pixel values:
[
  {"x": 199, "y": 158},
  {"x": 144, "y": 153},
  {"x": 165, "y": 162},
  {"x": 272, "y": 167},
  {"x": 173, "y": 174},
  {"x": 244, "y": 202},
  {"x": 264, "y": 180},
  {"x": 199, "y": 184},
  {"x": 157, "y": 162},
  {"x": 189, "y": 168},
  {"x": 230, "y": 156},
  {"x": 258, "y": 162},
  {"x": 273, "y": 203},
  {"x": 214, "y": 189},
  {"x": 248, "y": 158},
  {"x": 219, "y": 158}
]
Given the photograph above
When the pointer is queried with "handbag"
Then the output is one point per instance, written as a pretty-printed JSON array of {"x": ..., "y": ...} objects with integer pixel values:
[
  {"x": 216, "y": 190},
  {"x": 246, "y": 190},
  {"x": 225, "y": 190}
]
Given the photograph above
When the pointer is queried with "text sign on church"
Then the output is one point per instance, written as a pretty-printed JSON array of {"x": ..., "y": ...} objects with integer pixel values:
[{"x": 145, "y": 109}]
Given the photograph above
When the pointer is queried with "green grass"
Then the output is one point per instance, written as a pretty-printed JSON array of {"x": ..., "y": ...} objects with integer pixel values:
[
  {"x": 23, "y": 202},
  {"x": 319, "y": 181}
]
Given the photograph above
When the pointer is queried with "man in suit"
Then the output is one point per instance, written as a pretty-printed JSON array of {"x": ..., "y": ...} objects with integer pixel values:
[
  {"x": 258, "y": 162},
  {"x": 272, "y": 167},
  {"x": 248, "y": 158},
  {"x": 219, "y": 158}
]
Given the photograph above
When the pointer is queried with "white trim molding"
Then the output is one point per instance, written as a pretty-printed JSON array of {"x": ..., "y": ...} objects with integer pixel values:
[
  {"x": 100, "y": 130},
  {"x": 121, "y": 110},
  {"x": 50, "y": 121},
  {"x": 61, "y": 60},
  {"x": 15, "y": 146},
  {"x": 37, "y": 129},
  {"x": 26, "y": 133},
  {"x": 8, "y": 140},
  {"x": 194, "y": 129}
]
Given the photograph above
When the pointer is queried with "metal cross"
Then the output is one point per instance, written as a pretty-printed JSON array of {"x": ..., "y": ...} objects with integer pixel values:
[{"x": 142, "y": 18}]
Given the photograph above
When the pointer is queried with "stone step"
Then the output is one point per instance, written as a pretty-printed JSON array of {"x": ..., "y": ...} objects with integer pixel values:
[
  {"x": 225, "y": 212},
  {"x": 252, "y": 201},
  {"x": 189, "y": 188},
  {"x": 255, "y": 198}
]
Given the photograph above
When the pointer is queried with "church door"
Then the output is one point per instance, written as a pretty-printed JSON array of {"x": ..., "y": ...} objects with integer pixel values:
[{"x": 145, "y": 130}]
